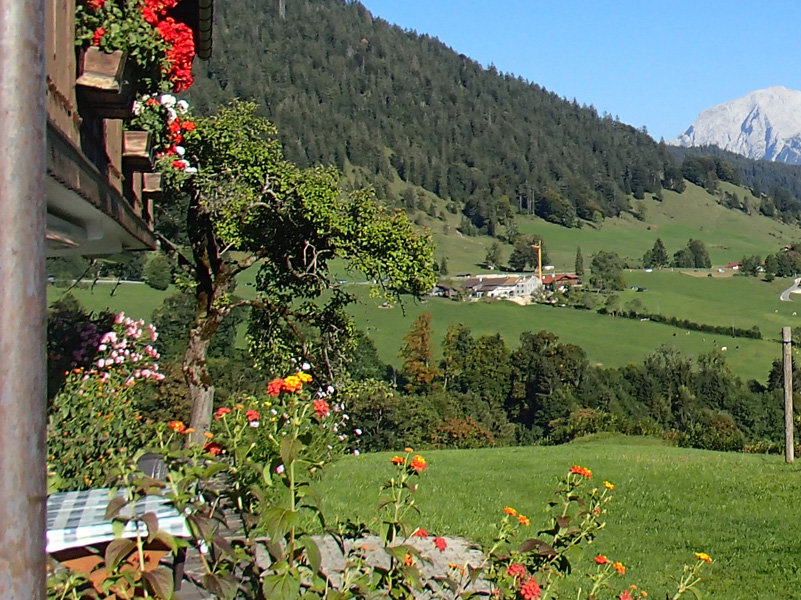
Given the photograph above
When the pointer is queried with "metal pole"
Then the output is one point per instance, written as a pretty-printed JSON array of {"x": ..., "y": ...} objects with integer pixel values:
[
  {"x": 787, "y": 357},
  {"x": 22, "y": 300}
]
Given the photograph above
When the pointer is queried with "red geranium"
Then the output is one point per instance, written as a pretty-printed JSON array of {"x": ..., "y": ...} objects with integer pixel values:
[
  {"x": 99, "y": 33},
  {"x": 321, "y": 408}
]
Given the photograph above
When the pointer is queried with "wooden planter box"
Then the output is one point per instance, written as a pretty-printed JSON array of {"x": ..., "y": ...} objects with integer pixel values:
[
  {"x": 137, "y": 153},
  {"x": 105, "y": 83}
]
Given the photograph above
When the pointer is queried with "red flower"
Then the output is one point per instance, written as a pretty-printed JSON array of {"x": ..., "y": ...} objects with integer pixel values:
[
  {"x": 421, "y": 533},
  {"x": 577, "y": 470},
  {"x": 418, "y": 463},
  {"x": 221, "y": 411},
  {"x": 188, "y": 126},
  {"x": 625, "y": 595},
  {"x": 212, "y": 448},
  {"x": 174, "y": 126},
  {"x": 180, "y": 54},
  {"x": 440, "y": 543},
  {"x": 95, "y": 4},
  {"x": 531, "y": 589},
  {"x": 99, "y": 33},
  {"x": 321, "y": 408},
  {"x": 252, "y": 415},
  {"x": 179, "y": 164},
  {"x": 516, "y": 570},
  {"x": 601, "y": 559},
  {"x": 398, "y": 460},
  {"x": 275, "y": 386}
]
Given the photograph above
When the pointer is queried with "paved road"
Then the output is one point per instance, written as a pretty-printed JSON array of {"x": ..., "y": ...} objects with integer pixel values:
[{"x": 793, "y": 289}]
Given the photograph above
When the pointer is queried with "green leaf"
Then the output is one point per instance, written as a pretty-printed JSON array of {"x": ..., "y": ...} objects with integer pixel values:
[
  {"x": 279, "y": 521},
  {"x": 312, "y": 552},
  {"x": 290, "y": 449},
  {"x": 117, "y": 551},
  {"x": 160, "y": 582},
  {"x": 281, "y": 586}
]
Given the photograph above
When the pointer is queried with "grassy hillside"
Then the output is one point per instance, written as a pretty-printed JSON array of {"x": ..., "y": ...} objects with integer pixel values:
[
  {"x": 609, "y": 341},
  {"x": 668, "y": 503},
  {"x": 728, "y": 234}
]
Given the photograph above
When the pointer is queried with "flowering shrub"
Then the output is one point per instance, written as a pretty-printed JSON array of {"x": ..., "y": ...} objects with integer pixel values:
[
  {"x": 169, "y": 123},
  {"x": 95, "y": 414},
  {"x": 162, "y": 48},
  {"x": 258, "y": 466}
]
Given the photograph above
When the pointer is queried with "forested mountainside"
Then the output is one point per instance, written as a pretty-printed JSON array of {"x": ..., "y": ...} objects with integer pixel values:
[
  {"x": 345, "y": 88},
  {"x": 780, "y": 182}
]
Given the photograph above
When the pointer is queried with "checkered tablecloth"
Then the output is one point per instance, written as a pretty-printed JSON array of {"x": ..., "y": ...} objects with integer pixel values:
[{"x": 78, "y": 518}]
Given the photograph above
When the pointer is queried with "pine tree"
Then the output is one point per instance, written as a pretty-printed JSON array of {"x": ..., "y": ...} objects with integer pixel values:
[{"x": 579, "y": 262}]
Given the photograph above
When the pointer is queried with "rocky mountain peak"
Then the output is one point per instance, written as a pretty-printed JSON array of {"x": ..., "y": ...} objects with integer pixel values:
[{"x": 765, "y": 124}]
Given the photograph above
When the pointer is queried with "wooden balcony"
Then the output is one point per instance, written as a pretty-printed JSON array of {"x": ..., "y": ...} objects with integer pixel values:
[{"x": 98, "y": 201}]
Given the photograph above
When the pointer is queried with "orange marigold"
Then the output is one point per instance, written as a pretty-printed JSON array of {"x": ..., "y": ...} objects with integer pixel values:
[
  {"x": 510, "y": 511},
  {"x": 601, "y": 559},
  {"x": 703, "y": 556},
  {"x": 408, "y": 450},
  {"x": 619, "y": 567},
  {"x": 524, "y": 520},
  {"x": 577, "y": 470},
  {"x": 398, "y": 460},
  {"x": 292, "y": 384},
  {"x": 608, "y": 485},
  {"x": 177, "y": 426},
  {"x": 418, "y": 463},
  {"x": 304, "y": 377}
]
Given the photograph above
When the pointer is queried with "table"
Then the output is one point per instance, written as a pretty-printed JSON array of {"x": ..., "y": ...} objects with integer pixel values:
[{"x": 76, "y": 520}]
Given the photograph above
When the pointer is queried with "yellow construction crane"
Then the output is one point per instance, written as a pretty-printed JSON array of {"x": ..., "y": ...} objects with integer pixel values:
[{"x": 539, "y": 259}]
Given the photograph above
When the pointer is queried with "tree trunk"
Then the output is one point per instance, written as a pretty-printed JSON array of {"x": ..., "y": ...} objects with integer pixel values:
[
  {"x": 201, "y": 388},
  {"x": 281, "y": 9}
]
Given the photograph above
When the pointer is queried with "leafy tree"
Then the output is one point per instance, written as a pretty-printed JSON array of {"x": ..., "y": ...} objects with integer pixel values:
[
  {"x": 418, "y": 370},
  {"x": 493, "y": 257},
  {"x": 579, "y": 266},
  {"x": 607, "y": 272},
  {"x": 657, "y": 256},
  {"x": 157, "y": 273},
  {"x": 456, "y": 347},
  {"x": 524, "y": 254},
  {"x": 443, "y": 266},
  {"x": 289, "y": 223},
  {"x": 693, "y": 256},
  {"x": 750, "y": 265}
]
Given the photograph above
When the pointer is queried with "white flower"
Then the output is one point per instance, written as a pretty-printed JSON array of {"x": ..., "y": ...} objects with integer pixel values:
[
  {"x": 305, "y": 366},
  {"x": 182, "y": 106},
  {"x": 355, "y": 453},
  {"x": 171, "y": 115},
  {"x": 357, "y": 431},
  {"x": 180, "y": 151},
  {"x": 137, "y": 107},
  {"x": 190, "y": 170},
  {"x": 168, "y": 100}
]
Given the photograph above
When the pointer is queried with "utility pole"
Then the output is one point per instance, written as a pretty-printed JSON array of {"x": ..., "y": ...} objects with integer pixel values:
[
  {"x": 23, "y": 118},
  {"x": 787, "y": 359}
]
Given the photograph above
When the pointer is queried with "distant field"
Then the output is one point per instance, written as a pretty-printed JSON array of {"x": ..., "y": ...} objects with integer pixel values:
[
  {"x": 608, "y": 341},
  {"x": 668, "y": 503},
  {"x": 611, "y": 341}
]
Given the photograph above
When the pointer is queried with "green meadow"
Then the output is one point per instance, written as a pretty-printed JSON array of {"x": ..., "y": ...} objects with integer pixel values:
[{"x": 668, "y": 503}]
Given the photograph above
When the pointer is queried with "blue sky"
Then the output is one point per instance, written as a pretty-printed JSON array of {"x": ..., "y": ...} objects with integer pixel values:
[{"x": 653, "y": 63}]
